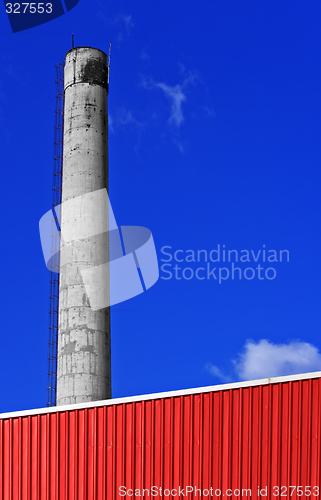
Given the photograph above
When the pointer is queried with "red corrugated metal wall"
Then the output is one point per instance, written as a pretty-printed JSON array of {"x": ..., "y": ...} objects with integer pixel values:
[{"x": 266, "y": 435}]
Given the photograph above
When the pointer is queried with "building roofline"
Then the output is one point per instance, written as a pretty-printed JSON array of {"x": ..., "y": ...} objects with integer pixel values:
[{"x": 159, "y": 395}]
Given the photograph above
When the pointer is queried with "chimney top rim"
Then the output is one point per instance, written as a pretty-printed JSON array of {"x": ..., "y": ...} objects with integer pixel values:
[{"x": 85, "y": 47}]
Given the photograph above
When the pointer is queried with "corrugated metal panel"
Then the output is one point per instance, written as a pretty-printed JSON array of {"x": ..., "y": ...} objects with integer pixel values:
[{"x": 265, "y": 435}]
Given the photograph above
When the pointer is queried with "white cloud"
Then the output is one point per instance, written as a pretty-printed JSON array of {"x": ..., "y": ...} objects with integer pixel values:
[{"x": 265, "y": 359}]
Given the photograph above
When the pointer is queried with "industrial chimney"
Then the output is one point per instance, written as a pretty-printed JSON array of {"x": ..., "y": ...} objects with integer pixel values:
[{"x": 84, "y": 364}]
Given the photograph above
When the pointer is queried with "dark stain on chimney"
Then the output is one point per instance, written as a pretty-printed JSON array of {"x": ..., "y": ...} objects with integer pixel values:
[
  {"x": 87, "y": 348},
  {"x": 94, "y": 72},
  {"x": 69, "y": 348}
]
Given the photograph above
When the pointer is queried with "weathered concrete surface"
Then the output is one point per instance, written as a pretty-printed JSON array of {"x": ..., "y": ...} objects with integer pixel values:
[{"x": 84, "y": 335}]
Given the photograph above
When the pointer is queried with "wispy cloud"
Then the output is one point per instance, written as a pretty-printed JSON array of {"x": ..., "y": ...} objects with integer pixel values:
[
  {"x": 126, "y": 20},
  {"x": 125, "y": 24},
  {"x": 216, "y": 372},
  {"x": 144, "y": 56},
  {"x": 111, "y": 122},
  {"x": 179, "y": 145},
  {"x": 208, "y": 112},
  {"x": 120, "y": 25},
  {"x": 122, "y": 118},
  {"x": 176, "y": 96},
  {"x": 264, "y": 359}
]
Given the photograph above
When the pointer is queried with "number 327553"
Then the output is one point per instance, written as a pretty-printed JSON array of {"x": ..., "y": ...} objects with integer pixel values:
[{"x": 33, "y": 8}]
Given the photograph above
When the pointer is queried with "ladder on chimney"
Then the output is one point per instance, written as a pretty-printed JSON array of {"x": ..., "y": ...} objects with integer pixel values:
[{"x": 54, "y": 273}]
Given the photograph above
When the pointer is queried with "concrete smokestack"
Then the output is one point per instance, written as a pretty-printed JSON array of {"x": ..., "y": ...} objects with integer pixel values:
[{"x": 84, "y": 367}]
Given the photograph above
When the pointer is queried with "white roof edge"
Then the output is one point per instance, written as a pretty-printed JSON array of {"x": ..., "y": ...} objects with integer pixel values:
[{"x": 159, "y": 395}]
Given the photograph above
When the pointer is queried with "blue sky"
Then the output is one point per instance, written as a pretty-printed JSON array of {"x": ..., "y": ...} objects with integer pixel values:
[{"x": 214, "y": 140}]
